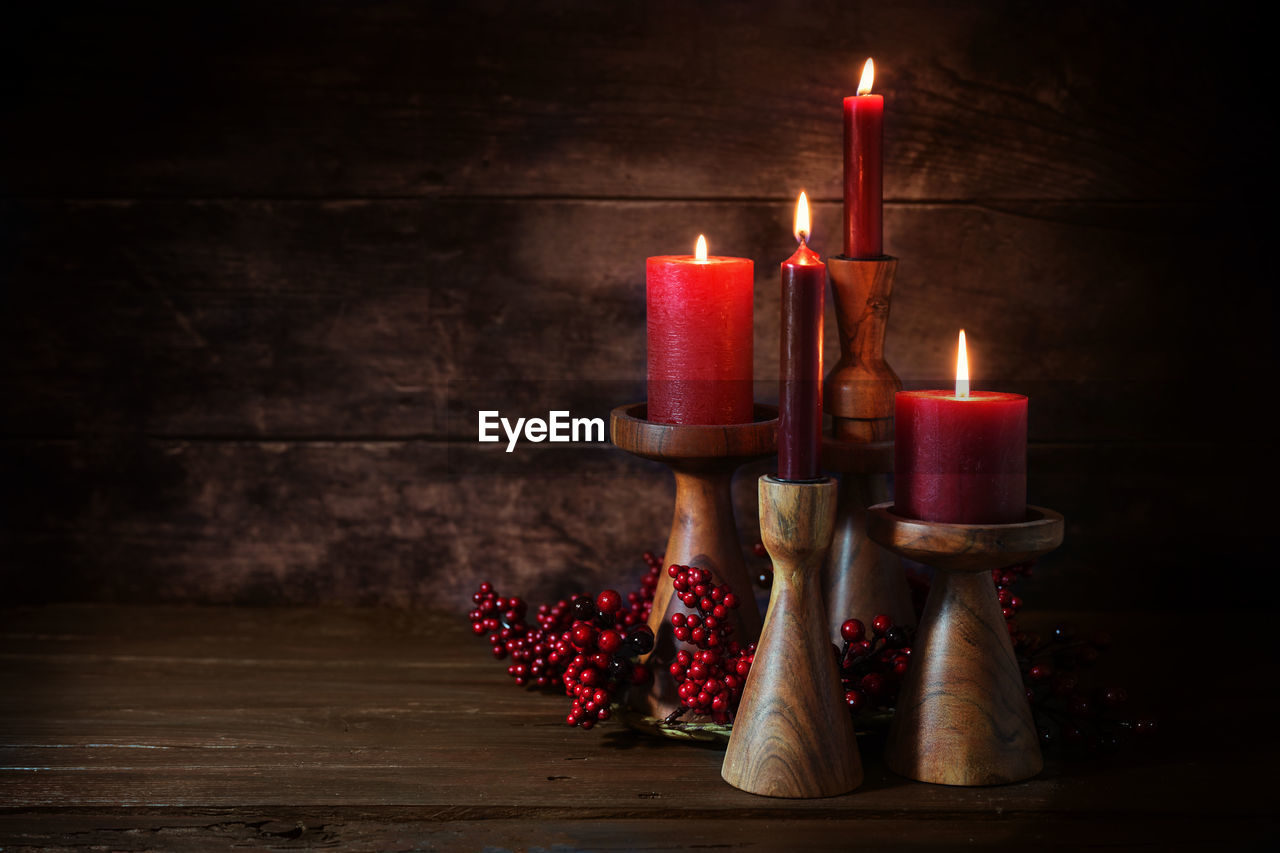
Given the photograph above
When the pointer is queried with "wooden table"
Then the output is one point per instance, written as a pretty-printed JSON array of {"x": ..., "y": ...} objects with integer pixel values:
[{"x": 134, "y": 728}]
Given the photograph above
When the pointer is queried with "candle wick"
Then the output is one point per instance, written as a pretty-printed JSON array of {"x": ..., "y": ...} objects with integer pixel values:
[{"x": 803, "y": 237}]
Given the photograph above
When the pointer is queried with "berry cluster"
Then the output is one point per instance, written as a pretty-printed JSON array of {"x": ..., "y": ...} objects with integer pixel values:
[
  {"x": 1010, "y": 604},
  {"x": 871, "y": 670},
  {"x": 641, "y": 600},
  {"x": 1067, "y": 713},
  {"x": 601, "y": 655},
  {"x": 503, "y": 621},
  {"x": 709, "y": 681},
  {"x": 540, "y": 653},
  {"x": 764, "y": 576}
]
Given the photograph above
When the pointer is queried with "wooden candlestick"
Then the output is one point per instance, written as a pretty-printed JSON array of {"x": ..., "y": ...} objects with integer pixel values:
[
  {"x": 860, "y": 579},
  {"x": 962, "y": 716},
  {"x": 792, "y": 736},
  {"x": 703, "y": 531}
]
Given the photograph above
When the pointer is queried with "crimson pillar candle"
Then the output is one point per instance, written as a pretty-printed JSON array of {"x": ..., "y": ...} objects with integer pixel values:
[
  {"x": 960, "y": 457},
  {"x": 864, "y": 170},
  {"x": 804, "y": 283},
  {"x": 700, "y": 338}
]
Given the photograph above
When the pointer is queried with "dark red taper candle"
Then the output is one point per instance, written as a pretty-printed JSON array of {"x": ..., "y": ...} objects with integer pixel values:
[
  {"x": 804, "y": 283},
  {"x": 864, "y": 170}
]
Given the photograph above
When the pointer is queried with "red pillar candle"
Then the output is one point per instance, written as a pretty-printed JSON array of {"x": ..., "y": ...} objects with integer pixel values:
[
  {"x": 961, "y": 457},
  {"x": 804, "y": 282},
  {"x": 700, "y": 344},
  {"x": 864, "y": 170}
]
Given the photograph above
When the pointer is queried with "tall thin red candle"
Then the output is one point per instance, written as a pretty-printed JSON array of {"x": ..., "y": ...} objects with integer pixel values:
[
  {"x": 700, "y": 338},
  {"x": 864, "y": 170},
  {"x": 804, "y": 283},
  {"x": 961, "y": 457}
]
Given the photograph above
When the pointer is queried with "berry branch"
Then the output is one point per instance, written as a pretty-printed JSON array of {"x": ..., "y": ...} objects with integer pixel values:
[{"x": 591, "y": 647}]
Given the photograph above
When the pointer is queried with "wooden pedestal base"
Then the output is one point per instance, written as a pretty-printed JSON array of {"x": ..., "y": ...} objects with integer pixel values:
[
  {"x": 792, "y": 736},
  {"x": 962, "y": 716},
  {"x": 703, "y": 531},
  {"x": 860, "y": 579}
]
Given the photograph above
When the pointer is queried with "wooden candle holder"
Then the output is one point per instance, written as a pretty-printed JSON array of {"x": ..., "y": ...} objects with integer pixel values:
[
  {"x": 860, "y": 579},
  {"x": 792, "y": 736},
  {"x": 703, "y": 531},
  {"x": 962, "y": 716}
]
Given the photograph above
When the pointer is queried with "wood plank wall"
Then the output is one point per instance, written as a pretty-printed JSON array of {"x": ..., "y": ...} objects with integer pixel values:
[{"x": 262, "y": 263}]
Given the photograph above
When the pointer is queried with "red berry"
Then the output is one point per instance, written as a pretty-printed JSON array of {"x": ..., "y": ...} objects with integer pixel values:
[
  {"x": 583, "y": 635},
  {"x": 609, "y": 601},
  {"x": 852, "y": 630},
  {"x": 881, "y": 624},
  {"x": 872, "y": 683},
  {"x": 609, "y": 641}
]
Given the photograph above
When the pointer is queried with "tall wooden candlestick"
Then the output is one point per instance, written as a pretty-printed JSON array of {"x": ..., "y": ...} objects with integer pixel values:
[
  {"x": 703, "y": 531},
  {"x": 792, "y": 736},
  {"x": 861, "y": 579},
  {"x": 962, "y": 716}
]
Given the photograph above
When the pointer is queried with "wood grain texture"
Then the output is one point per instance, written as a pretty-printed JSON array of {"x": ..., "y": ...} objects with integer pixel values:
[
  {"x": 860, "y": 579},
  {"x": 962, "y": 715},
  {"x": 967, "y": 547},
  {"x": 392, "y": 522},
  {"x": 243, "y": 247},
  {"x": 792, "y": 735},
  {"x": 404, "y": 828},
  {"x": 194, "y": 728},
  {"x": 861, "y": 385},
  {"x": 988, "y": 100},
  {"x": 401, "y": 318},
  {"x": 703, "y": 530}
]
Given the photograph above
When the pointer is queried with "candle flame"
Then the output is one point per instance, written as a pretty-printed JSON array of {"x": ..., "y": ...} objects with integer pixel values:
[
  {"x": 700, "y": 251},
  {"x": 962, "y": 369},
  {"x": 802, "y": 218},
  {"x": 868, "y": 77}
]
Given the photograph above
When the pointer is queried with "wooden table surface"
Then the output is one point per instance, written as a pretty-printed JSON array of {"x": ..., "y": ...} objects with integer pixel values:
[{"x": 135, "y": 728}]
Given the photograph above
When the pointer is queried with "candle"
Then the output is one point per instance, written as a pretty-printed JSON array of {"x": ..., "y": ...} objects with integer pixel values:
[
  {"x": 700, "y": 338},
  {"x": 961, "y": 457},
  {"x": 804, "y": 282},
  {"x": 863, "y": 170}
]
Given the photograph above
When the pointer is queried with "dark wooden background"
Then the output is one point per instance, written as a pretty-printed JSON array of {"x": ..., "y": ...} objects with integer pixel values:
[{"x": 262, "y": 262}]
